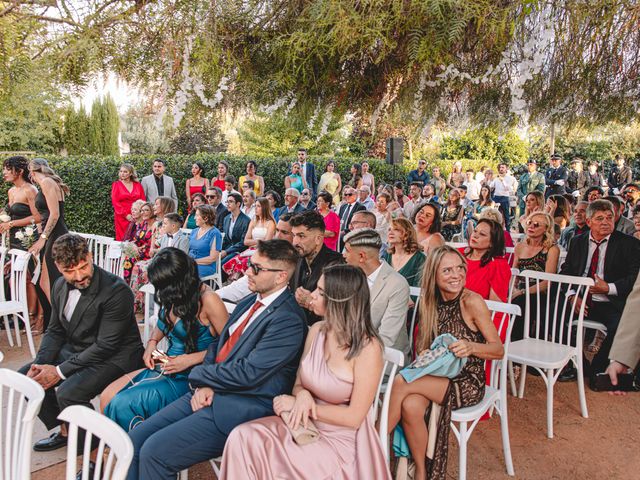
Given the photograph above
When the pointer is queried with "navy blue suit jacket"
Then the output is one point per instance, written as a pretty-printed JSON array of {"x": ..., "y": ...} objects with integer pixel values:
[
  {"x": 262, "y": 364},
  {"x": 297, "y": 209},
  {"x": 233, "y": 242}
]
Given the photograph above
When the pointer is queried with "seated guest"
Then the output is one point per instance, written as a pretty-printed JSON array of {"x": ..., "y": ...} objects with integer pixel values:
[
  {"x": 415, "y": 190},
  {"x": 136, "y": 220},
  {"x": 398, "y": 192},
  {"x": 579, "y": 225},
  {"x": 308, "y": 229},
  {"x": 364, "y": 197},
  {"x": 452, "y": 214},
  {"x": 205, "y": 241},
  {"x": 344, "y": 342},
  {"x": 559, "y": 209},
  {"x": 291, "y": 204},
  {"x": 593, "y": 193},
  {"x": 495, "y": 215},
  {"x": 142, "y": 234},
  {"x": 428, "y": 194},
  {"x": 274, "y": 204},
  {"x": 622, "y": 223},
  {"x": 636, "y": 221},
  {"x": 92, "y": 337},
  {"x": 389, "y": 289},
  {"x": 190, "y": 314},
  {"x": 235, "y": 229},
  {"x": 383, "y": 215},
  {"x": 254, "y": 360},
  {"x": 404, "y": 253},
  {"x": 214, "y": 198},
  {"x": 249, "y": 203},
  {"x": 346, "y": 211},
  {"x": 246, "y": 184},
  {"x": 612, "y": 259},
  {"x": 534, "y": 202},
  {"x": 196, "y": 200},
  {"x": 446, "y": 307},
  {"x": 229, "y": 187},
  {"x": 631, "y": 196},
  {"x": 426, "y": 218},
  {"x": 331, "y": 220},
  {"x": 305, "y": 200}
]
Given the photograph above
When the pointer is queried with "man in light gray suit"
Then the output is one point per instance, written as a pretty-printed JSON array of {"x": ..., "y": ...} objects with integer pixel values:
[
  {"x": 173, "y": 236},
  {"x": 389, "y": 289},
  {"x": 159, "y": 185}
]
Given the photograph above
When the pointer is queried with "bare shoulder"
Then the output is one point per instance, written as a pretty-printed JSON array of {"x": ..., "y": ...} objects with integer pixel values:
[
  {"x": 472, "y": 301},
  {"x": 371, "y": 353}
]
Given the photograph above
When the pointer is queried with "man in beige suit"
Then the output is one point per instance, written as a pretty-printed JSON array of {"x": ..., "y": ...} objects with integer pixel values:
[
  {"x": 625, "y": 351},
  {"x": 389, "y": 290}
]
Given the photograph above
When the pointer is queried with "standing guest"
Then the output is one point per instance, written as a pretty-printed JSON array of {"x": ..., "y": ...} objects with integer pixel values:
[
  {"x": 252, "y": 175},
  {"x": 578, "y": 227},
  {"x": 49, "y": 202},
  {"x": 305, "y": 200},
  {"x": 274, "y": 203},
  {"x": 291, "y": 204},
  {"x": 389, "y": 290},
  {"x": 355, "y": 181},
  {"x": 229, "y": 187},
  {"x": 404, "y": 253},
  {"x": 205, "y": 241},
  {"x": 331, "y": 220},
  {"x": 364, "y": 197},
  {"x": 530, "y": 181},
  {"x": 346, "y": 211},
  {"x": 367, "y": 178},
  {"x": 612, "y": 259},
  {"x": 142, "y": 235},
  {"x": 198, "y": 183},
  {"x": 488, "y": 178},
  {"x": 196, "y": 200},
  {"x": 214, "y": 198},
  {"x": 235, "y": 229},
  {"x": 308, "y": 172},
  {"x": 190, "y": 314},
  {"x": 223, "y": 171},
  {"x": 249, "y": 203},
  {"x": 578, "y": 180},
  {"x": 346, "y": 343},
  {"x": 555, "y": 177},
  {"x": 473, "y": 186},
  {"x": 593, "y": 193},
  {"x": 456, "y": 177},
  {"x": 480, "y": 174},
  {"x": 254, "y": 360},
  {"x": 631, "y": 195},
  {"x": 426, "y": 218},
  {"x": 415, "y": 190},
  {"x": 295, "y": 178},
  {"x": 559, "y": 209},
  {"x": 594, "y": 178},
  {"x": 124, "y": 192},
  {"x": 331, "y": 182},
  {"x": 452, "y": 214},
  {"x": 419, "y": 174},
  {"x": 439, "y": 183},
  {"x": 383, "y": 215},
  {"x": 308, "y": 229},
  {"x": 446, "y": 307},
  {"x": 504, "y": 187},
  {"x": 159, "y": 185},
  {"x": 619, "y": 175},
  {"x": 92, "y": 339},
  {"x": 622, "y": 223}
]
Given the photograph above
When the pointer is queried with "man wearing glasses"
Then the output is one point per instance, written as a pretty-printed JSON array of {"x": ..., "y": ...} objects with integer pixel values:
[
  {"x": 348, "y": 208},
  {"x": 419, "y": 174},
  {"x": 214, "y": 198},
  {"x": 254, "y": 359},
  {"x": 291, "y": 203},
  {"x": 305, "y": 200},
  {"x": 364, "y": 197}
]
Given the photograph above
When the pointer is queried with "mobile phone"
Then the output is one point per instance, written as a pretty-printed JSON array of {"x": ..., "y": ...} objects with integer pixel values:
[
  {"x": 602, "y": 383},
  {"x": 160, "y": 356}
]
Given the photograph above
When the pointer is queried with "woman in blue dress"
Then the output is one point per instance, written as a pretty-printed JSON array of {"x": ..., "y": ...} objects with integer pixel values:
[
  {"x": 295, "y": 178},
  {"x": 191, "y": 313},
  {"x": 205, "y": 241}
]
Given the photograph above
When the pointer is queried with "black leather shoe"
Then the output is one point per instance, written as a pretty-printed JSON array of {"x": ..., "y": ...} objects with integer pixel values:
[
  {"x": 54, "y": 442},
  {"x": 533, "y": 371},
  {"x": 92, "y": 468},
  {"x": 568, "y": 374}
]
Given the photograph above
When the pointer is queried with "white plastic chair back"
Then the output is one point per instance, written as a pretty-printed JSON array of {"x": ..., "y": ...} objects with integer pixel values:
[
  {"x": 509, "y": 251},
  {"x": 100, "y": 250},
  {"x": 517, "y": 237},
  {"x": 512, "y": 283},
  {"x": 17, "y": 304},
  {"x": 151, "y": 312},
  {"x": 113, "y": 261},
  {"x": 20, "y": 401},
  {"x": 392, "y": 360},
  {"x": 3, "y": 260},
  {"x": 561, "y": 259},
  {"x": 215, "y": 280},
  {"x": 187, "y": 231},
  {"x": 109, "y": 434}
]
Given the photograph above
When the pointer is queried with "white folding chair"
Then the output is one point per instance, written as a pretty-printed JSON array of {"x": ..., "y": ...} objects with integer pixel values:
[
  {"x": 512, "y": 283},
  {"x": 392, "y": 360},
  {"x": 495, "y": 395},
  {"x": 151, "y": 311},
  {"x": 17, "y": 305},
  {"x": 186, "y": 231},
  {"x": 110, "y": 435},
  {"x": 101, "y": 249},
  {"x": 508, "y": 254},
  {"x": 215, "y": 280},
  {"x": 561, "y": 259},
  {"x": 413, "y": 292},
  {"x": 113, "y": 261},
  {"x": 548, "y": 348},
  {"x": 20, "y": 405}
]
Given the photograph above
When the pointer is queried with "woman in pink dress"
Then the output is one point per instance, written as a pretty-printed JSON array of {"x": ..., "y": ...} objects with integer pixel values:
[
  {"x": 334, "y": 390},
  {"x": 331, "y": 220},
  {"x": 124, "y": 192}
]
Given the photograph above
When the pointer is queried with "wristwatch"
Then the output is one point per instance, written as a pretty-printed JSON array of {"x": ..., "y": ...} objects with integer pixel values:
[{"x": 43, "y": 235}]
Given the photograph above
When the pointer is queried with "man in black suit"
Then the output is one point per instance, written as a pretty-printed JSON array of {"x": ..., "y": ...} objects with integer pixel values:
[
  {"x": 347, "y": 210},
  {"x": 235, "y": 228},
  {"x": 92, "y": 339},
  {"x": 612, "y": 259},
  {"x": 214, "y": 198},
  {"x": 555, "y": 177},
  {"x": 308, "y": 172}
]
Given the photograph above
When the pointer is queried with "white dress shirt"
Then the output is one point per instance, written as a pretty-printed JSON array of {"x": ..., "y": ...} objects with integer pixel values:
[
  {"x": 600, "y": 268},
  {"x": 473, "y": 189},
  {"x": 504, "y": 186},
  {"x": 69, "y": 308},
  {"x": 266, "y": 301},
  {"x": 371, "y": 279}
]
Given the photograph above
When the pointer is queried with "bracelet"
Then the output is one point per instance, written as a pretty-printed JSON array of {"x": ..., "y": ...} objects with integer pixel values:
[{"x": 10, "y": 223}]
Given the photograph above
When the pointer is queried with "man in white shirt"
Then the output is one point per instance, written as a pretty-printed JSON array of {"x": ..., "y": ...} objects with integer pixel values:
[
  {"x": 415, "y": 190},
  {"x": 504, "y": 186},
  {"x": 473, "y": 186}
]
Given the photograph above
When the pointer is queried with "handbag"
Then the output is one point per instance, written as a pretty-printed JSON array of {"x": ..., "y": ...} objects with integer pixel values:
[{"x": 438, "y": 361}]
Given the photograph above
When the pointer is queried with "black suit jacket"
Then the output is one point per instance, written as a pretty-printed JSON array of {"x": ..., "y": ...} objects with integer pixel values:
[
  {"x": 221, "y": 214},
  {"x": 102, "y": 329},
  {"x": 621, "y": 263},
  {"x": 285, "y": 209},
  {"x": 551, "y": 176},
  {"x": 618, "y": 178},
  {"x": 233, "y": 242},
  {"x": 344, "y": 225}
]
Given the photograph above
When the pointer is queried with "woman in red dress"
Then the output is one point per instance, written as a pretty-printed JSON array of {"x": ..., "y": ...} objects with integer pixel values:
[
  {"x": 124, "y": 192},
  {"x": 223, "y": 171},
  {"x": 198, "y": 183}
]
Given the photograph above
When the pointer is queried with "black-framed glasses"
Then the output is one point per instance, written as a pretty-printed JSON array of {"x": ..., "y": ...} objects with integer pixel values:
[
  {"x": 349, "y": 194},
  {"x": 256, "y": 269},
  {"x": 211, "y": 196}
]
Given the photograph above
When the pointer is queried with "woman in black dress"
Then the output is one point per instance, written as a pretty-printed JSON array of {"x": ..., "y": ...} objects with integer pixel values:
[{"x": 50, "y": 203}]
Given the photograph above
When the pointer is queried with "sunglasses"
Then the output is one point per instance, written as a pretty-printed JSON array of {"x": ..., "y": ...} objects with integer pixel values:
[
  {"x": 257, "y": 269},
  {"x": 349, "y": 194},
  {"x": 211, "y": 196},
  {"x": 533, "y": 224}
]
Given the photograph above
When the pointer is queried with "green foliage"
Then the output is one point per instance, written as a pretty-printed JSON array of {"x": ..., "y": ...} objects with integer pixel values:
[
  {"x": 76, "y": 131},
  {"x": 95, "y": 134},
  {"x": 140, "y": 131},
  {"x": 198, "y": 132},
  {"x": 486, "y": 146}
]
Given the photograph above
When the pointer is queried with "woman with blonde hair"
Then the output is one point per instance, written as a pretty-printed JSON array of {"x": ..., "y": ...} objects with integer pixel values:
[
  {"x": 533, "y": 202},
  {"x": 404, "y": 253},
  {"x": 124, "y": 192},
  {"x": 446, "y": 306}
]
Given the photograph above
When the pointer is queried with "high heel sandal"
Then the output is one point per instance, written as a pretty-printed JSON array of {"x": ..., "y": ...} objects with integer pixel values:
[{"x": 37, "y": 323}]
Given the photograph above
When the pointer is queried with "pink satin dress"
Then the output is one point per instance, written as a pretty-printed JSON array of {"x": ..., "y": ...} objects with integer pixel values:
[{"x": 264, "y": 448}]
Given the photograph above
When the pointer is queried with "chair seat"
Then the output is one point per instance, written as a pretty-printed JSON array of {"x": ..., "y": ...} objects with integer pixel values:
[
  {"x": 540, "y": 353},
  {"x": 10, "y": 307},
  {"x": 468, "y": 414}
]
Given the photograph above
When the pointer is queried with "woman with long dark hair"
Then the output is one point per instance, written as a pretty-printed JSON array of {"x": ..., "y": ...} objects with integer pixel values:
[
  {"x": 426, "y": 218},
  {"x": 124, "y": 192},
  {"x": 190, "y": 314},
  {"x": 331, "y": 182},
  {"x": 334, "y": 390},
  {"x": 356, "y": 176},
  {"x": 198, "y": 183}
]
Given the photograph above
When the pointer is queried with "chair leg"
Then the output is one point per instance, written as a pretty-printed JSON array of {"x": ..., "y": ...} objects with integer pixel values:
[
  {"x": 506, "y": 443},
  {"x": 32, "y": 348},
  {"x": 512, "y": 380},
  {"x": 462, "y": 474},
  {"x": 8, "y": 330},
  {"x": 16, "y": 327},
  {"x": 184, "y": 474},
  {"x": 215, "y": 467},
  {"x": 523, "y": 376},
  {"x": 581, "y": 393},
  {"x": 550, "y": 385}
]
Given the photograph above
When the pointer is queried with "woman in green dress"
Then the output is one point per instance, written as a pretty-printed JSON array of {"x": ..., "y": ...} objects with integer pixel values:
[{"x": 404, "y": 253}]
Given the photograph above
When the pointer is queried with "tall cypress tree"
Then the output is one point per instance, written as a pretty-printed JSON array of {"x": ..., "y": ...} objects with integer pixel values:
[
  {"x": 83, "y": 125},
  {"x": 110, "y": 126},
  {"x": 95, "y": 127}
]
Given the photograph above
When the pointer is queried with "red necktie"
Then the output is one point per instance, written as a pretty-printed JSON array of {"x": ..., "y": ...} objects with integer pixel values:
[
  {"x": 233, "y": 338},
  {"x": 593, "y": 266}
]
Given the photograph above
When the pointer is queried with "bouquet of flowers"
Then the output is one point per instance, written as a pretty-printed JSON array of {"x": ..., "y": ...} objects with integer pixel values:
[
  {"x": 4, "y": 217},
  {"x": 130, "y": 249},
  {"x": 27, "y": 235}
]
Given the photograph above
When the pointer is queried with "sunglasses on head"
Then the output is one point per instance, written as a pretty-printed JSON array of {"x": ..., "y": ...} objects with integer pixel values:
[{"x": 257, "y": 269}]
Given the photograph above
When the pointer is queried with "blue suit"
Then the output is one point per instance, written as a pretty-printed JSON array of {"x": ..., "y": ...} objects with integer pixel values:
[
  {"x": 297, "y": 209},
  {"x": 233, "y": 242},
  {"x": 261, "y": 365}
]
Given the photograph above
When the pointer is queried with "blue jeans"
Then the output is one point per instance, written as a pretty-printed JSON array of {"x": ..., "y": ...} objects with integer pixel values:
[{"x": 504, "y": 206}]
